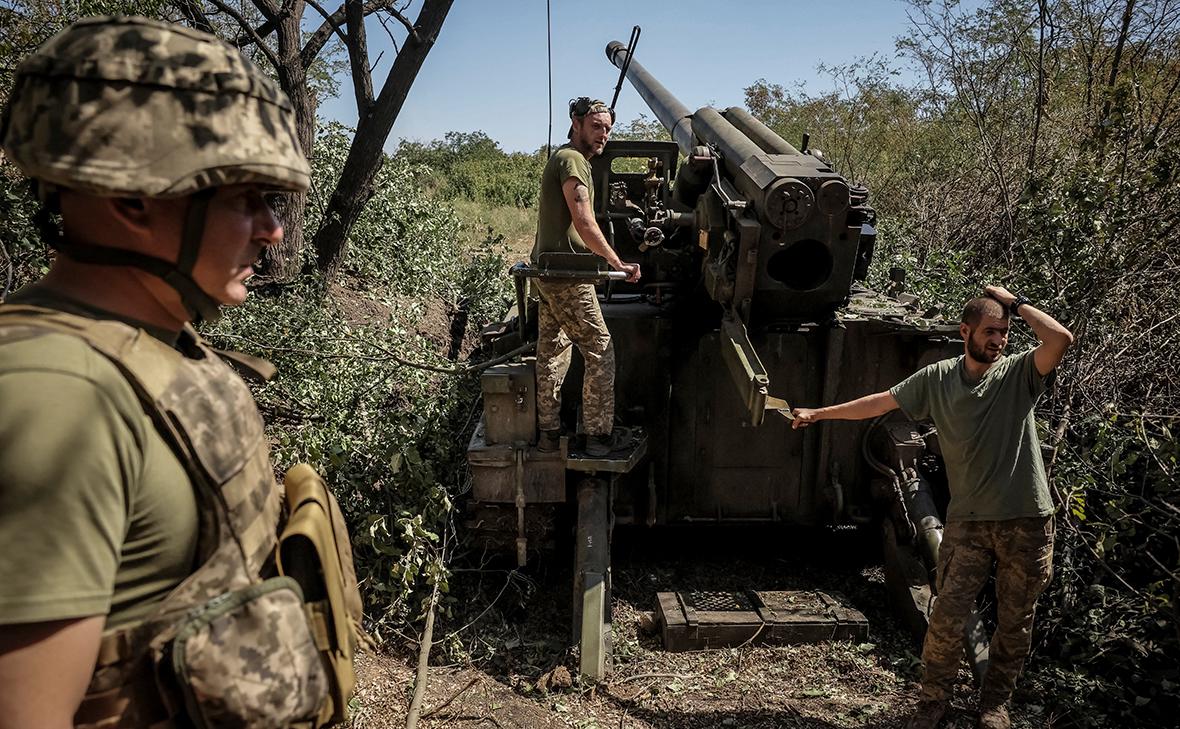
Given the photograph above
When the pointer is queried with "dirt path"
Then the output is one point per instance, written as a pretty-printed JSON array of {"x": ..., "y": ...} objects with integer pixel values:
[{"x": 518, "y": 667}]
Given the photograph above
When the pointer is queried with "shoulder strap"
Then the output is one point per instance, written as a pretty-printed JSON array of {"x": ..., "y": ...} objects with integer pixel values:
[{"x": 132, "y": 351}]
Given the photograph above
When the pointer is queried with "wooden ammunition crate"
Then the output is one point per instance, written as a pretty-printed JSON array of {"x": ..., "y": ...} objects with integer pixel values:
[
  {"x": 699, "y": 620},
  {"x": 493, "y": 472},
  {"x": 510, "y": 403}
]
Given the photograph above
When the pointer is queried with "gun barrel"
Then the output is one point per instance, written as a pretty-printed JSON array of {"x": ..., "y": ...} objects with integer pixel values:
[
  {"x": 672, "y": 114},
  {"x": 735, "y": 147},
  {"x": 759, "y": 133}
]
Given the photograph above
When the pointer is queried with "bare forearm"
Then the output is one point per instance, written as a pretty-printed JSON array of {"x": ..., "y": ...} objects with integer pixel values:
[
  {"x": 869, "y": 406},
  {"x": 1046, "y": 328},
  {"x": 592, "y": 236}
]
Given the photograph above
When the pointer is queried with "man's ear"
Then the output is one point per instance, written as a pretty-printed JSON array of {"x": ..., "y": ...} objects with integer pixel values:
[
  {"x": 964, "y": 331},
  {"x": 131, "y": 211}
]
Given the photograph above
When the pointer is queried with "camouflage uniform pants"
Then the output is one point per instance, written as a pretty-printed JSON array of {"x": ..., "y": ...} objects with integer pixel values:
[
  {"x": 1022, "y": 552},
  {"x": 570, "y": 313}
]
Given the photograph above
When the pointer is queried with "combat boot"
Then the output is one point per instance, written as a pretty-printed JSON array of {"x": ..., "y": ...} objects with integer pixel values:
[
  {"x": 550, "y": 441},
  {"x": 603, "y": 445},
  {"x": 994, "y": 717},
  {"x": 927, "y": 715}
]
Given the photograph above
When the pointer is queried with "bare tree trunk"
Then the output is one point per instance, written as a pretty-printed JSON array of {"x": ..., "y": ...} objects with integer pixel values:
[
  {"x": 1114, "y": 70},
  {"x": 355, "y": 186},
  {"x": 1039, "y": 110},
  {"x": 284, "y": 260}
]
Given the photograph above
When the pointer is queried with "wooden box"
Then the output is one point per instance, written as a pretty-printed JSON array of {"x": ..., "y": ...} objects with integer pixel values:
[{"x": 699, "y": 620}]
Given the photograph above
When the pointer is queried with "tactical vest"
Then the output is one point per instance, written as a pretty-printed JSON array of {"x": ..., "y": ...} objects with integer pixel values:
[{"x": 234, "y": 644}]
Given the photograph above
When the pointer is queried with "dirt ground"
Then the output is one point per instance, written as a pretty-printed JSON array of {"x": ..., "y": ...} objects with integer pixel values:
[{"x": 512, "y": 630}]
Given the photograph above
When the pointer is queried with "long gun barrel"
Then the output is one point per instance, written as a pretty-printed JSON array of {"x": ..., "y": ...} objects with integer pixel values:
[
  {"x": 689, "y": 130},
  {"x": 759, "y": 133},
  {"x": 667, "y": 108}
]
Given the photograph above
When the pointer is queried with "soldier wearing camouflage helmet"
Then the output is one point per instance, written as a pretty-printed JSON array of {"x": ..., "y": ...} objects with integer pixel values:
[
  {"x": 138, "y": 505},
  {"x": 568, "y": 313}
]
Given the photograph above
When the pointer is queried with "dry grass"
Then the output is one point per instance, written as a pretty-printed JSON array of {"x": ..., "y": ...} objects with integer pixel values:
[{"x": 516, "y": 225}]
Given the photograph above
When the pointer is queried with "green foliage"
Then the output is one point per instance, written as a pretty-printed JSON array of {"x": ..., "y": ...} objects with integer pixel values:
[
  {"x": 23, "y": 256},
  {"x": 403, "y": 234},
  {"x": 359, "y": 419},
  {"x": 642, "y": 127},
  {"x": 472, "y": 166},
  {"x": 1109, "y": 627}
]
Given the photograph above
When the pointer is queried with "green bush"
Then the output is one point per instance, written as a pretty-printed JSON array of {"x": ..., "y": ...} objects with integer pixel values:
[
  {"x": 23, "y": 257},
  {"x": 472, "y": 166}
]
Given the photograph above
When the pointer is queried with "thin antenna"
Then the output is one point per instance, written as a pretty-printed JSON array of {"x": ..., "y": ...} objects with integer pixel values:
[
  {"x": 626, "y": 63},
  {"x": 549, "y": 50}
]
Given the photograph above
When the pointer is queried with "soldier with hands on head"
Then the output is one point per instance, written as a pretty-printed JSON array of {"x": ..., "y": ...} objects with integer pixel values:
[
  {"x": 1000, "y": 511},
  {"x": 139, "y": 511},
  {"x": 569, "y": 312}
]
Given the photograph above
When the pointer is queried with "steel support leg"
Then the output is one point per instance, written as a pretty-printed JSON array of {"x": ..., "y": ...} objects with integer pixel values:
[{"x": 592, "y": 619}]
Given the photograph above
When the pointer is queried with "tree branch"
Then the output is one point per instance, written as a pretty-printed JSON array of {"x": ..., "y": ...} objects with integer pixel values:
[
  {"x": 358, "y": 57},
  {"x": 270, "y": 56},
  {"x": 315, "y": 41},
  {"x": 333, "y": 20},
  {"x": 194, "y": 15},
  {"x": 405, "y": 21}
]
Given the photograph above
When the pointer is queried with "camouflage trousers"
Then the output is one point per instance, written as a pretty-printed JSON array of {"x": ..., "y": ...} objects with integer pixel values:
[
  {"x": 1022, "y": 552},
  {"x": 569, "y": 313}
]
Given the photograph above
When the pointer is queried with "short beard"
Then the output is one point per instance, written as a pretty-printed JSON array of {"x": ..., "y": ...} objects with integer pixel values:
[
  {"x": 586, "y": 147},
  {"x": 980, "y": 354}
]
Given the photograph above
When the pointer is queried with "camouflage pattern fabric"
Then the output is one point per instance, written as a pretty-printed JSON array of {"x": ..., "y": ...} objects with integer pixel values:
[
  {"x": 596, "y": 106},
  {"x": 131, "y": 107},
  {"x": 569, "y": 312},
  {"x": 253, "y": 665},
  {"x": 207, "y": 413},
  {"x": 1022, "y": 552}
]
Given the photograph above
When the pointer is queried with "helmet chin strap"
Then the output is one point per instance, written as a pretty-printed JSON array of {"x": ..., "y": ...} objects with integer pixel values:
[
  {"x": 201, "y": 306},
  {"x": 179, "y": 275}
]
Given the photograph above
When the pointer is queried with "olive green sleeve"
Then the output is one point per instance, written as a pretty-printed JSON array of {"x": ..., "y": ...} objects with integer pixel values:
[
  {"x": 66, "y": 459},
  {"x": 572, "y": 163},
  {"x": 913, "y": 394}
]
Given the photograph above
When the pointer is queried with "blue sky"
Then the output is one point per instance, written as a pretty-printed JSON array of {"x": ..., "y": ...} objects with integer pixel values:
[{"x": 488, "y": 70}]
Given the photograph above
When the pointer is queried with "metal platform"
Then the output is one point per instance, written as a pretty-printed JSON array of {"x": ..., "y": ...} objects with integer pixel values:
[
  {"x": 701, "y": 620},
  {"x": 620, "y": 461}
]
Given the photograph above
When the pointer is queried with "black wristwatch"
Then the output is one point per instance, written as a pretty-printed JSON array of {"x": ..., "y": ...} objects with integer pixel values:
[{"x": 1019, "y": 301}]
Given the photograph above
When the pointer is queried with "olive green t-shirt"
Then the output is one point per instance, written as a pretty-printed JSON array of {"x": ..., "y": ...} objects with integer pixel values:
[
  {"x": 555, "y": 225},
  {"x": 97, "y": 515},
  {"x": 987, "y": 434}
]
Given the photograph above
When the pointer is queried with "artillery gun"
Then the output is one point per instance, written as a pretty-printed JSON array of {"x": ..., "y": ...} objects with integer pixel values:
[{"x": 754, "y": 254}]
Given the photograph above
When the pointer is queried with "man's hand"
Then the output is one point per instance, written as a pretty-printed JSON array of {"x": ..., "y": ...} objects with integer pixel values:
[
  {"x": 631, "y": 269},
  {"x": 862, "y": 408},
  {"x": 804, "y": 417},
  {"x": 1000, "y": 294}
]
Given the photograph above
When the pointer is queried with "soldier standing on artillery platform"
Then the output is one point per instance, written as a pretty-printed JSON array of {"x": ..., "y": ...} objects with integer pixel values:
[
  {"x": 138, "y": 505},
  {"x": 1000, "y": 511},
  {"x": 570, "y": 311}
]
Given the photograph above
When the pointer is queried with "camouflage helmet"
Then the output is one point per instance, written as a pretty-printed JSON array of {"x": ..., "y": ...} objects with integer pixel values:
[{"x": 132, "y": 107}]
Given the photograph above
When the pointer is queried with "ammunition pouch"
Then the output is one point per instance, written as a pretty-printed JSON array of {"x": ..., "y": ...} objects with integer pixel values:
[
  {"x": 275, "y": 653},
  {"x": 247, "y": 659},
  {"x": 315, "y": 552}
]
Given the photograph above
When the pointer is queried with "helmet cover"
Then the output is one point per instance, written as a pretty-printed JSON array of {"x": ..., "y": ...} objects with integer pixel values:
[{"x": 132, "y": 107}]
